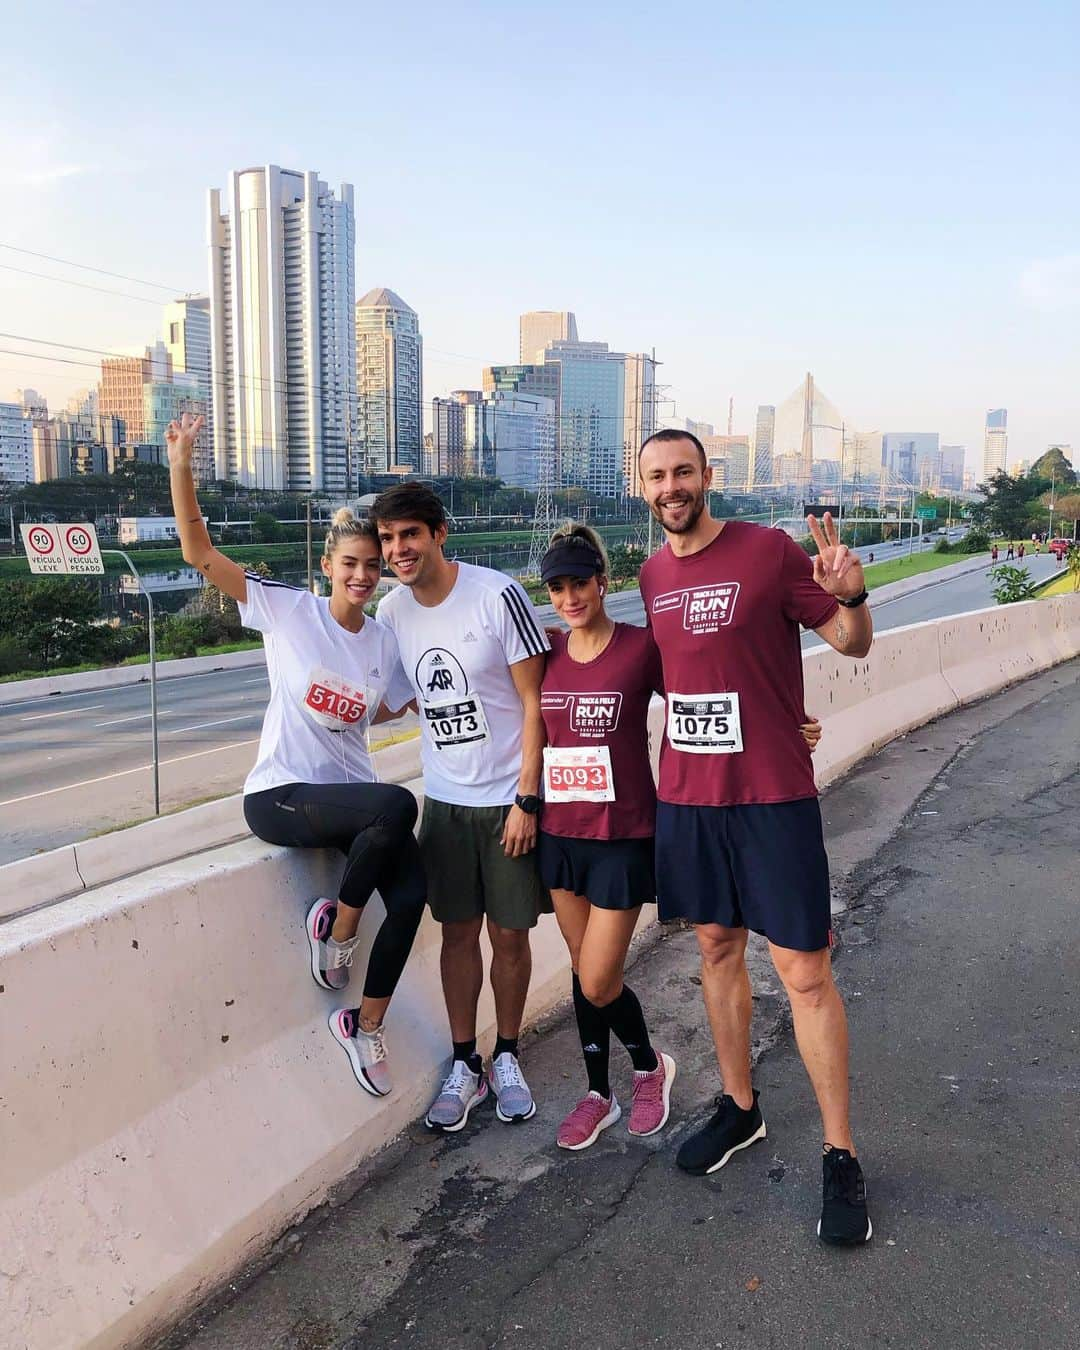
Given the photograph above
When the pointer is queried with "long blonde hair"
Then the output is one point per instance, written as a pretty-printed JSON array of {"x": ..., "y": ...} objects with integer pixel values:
[{"x": 345, "y": 525}]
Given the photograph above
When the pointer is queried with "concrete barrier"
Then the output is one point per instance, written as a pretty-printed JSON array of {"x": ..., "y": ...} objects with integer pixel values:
[
  {"x": 43, "y": 686},
  {"x": 178, "y": 1101}
]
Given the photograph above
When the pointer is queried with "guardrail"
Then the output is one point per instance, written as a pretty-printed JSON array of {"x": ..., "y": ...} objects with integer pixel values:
[{"x": 174, "y": 1098}]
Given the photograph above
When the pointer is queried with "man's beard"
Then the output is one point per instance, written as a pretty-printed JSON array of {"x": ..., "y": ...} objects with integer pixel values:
[{"x": 696, "y": 504}]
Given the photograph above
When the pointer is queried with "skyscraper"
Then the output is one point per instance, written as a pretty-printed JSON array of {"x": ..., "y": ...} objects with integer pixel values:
[
  {"x": 16, "y": 444},
  {"x": 639, "y": 417},
  {"x": 447, "y": 436},
  {"x": 123, "y": 381},
  {"x": 541, "y": 326},
  {"x": 389, "y": 381},
  {"x": 282, "y": 336},
  {"x": 913, "y": 457},
  {"x": 592, "y": 412},
  {"x": 187, "y": 339},
  {"x": 995, "y": 443},
  {"x": 764, "y": 435}
]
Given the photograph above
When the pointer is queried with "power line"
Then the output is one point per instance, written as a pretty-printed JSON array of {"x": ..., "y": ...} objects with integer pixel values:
[
  {"x": 86, "y": 267},
  {"x": 83, "y": 285}
]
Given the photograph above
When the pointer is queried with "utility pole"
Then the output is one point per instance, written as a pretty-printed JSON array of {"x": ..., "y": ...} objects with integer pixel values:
[
  {"x": 310, "y": 575},
  {"x": 1053, "y": 486}
]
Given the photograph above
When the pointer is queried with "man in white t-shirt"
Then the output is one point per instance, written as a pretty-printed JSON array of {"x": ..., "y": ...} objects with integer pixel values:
[{"x": 472, "y": 648}]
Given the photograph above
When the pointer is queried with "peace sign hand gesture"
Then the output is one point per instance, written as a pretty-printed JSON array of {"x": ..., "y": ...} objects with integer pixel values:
[
  {"x": 180, "y": 438},
  {"x": 836, "y": 569}
]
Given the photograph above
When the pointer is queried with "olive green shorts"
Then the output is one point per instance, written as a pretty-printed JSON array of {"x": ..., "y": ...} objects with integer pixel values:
[{"x": 468, "y": 872}]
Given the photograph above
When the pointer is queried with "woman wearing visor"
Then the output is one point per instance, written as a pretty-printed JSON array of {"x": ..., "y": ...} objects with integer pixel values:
[
  {"x": 333, "y": 672},
  {"x": 597, "y": 822}
]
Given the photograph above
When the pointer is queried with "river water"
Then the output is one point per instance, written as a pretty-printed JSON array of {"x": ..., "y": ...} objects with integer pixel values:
[{"x": 173, "y": 587}]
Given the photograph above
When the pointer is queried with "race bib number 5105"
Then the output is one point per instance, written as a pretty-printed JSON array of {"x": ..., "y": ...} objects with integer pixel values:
[
  {"x": 333, "y": 702},
  {"x": 704, "y": 724}
]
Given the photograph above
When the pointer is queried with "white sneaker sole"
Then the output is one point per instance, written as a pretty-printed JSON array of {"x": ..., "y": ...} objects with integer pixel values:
[
  {"x": 869, "y": 1235},
  {"x": 612, "y": 1116},
  {"x": 313, "y": 944},
  {"x": 348, "y": 1044},
  {"x": 514, "y": 1120},
  {"x": 481, "y": 1096},
  {"x": 759, "y": 1133},
  {"x": 669, "y": 1078}
]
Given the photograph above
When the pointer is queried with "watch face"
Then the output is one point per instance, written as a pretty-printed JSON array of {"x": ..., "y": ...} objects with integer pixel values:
[{"x": 530, "y": 805}]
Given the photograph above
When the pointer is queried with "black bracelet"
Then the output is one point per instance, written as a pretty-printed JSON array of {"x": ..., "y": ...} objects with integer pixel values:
[{"x": 856, "y": 602}]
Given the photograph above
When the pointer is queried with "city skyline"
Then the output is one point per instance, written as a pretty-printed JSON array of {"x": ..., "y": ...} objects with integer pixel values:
[{"x": 773, "y": 244}]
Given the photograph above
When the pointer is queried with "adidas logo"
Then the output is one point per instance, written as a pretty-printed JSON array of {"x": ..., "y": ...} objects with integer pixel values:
[
  {"x": 374, "y": 671},
  {"x": 437, "y": 660},
  {"x": 470, "y": 637},
  {"x": 591, "y": 1049}
]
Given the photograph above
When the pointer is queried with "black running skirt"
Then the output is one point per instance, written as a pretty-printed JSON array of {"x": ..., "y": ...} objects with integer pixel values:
[{"x": 610, "y": 873}]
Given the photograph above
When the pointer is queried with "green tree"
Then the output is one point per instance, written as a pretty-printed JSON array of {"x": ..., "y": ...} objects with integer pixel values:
[
  {"x": 1053, "y": 465},
  {"x": 265, "y": 529},
  {"x": 1008, "y": 509},
  {"x": 1072, "y": 558},
  {"x": 52, "y": 619},
  {"x": 625, "y": 562}
]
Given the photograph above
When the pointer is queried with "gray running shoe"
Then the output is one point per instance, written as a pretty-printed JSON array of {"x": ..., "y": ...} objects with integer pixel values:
[
  {"x": 330, "y": 960},
  {"x": 461, "y": 1091},
  {"x": 514, "y": 1100},
  {"x": 366, "y": 1051}
]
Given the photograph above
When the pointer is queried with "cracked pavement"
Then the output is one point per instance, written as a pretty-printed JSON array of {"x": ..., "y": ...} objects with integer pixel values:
[{"x": 954, "y": 878}]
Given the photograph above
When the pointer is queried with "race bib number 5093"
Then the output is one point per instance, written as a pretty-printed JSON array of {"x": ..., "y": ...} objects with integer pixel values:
[
  {"x": 704, "y": 724},
  {"x": 578, "y": 774}
]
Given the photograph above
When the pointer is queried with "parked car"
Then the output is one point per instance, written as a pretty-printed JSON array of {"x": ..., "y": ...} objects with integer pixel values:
[{"x": 1059, "y": 547}]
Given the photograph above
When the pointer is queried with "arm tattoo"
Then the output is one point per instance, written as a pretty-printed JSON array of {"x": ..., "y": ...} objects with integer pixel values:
[{"x": 841, "y": 630}]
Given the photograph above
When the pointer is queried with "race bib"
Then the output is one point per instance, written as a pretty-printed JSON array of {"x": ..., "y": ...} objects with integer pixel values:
[
  {"x": 456, "y": 721},
  {"x": 704, "y": 724},
  {"x": 578, "y": 774},
  {"x": 332, "y": 702}
]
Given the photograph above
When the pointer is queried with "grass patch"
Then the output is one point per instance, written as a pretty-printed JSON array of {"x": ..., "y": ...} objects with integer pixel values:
[
  {"x": 246, "y": 645},
  {"x": 169, "y": 811},
  {"x": 897, "y": 569},
  {"x": 1061, "y": 585}
]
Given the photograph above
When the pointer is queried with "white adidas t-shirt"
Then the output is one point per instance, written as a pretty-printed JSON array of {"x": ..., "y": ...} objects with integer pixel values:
[
  {"x": 324, "y": 683},
  {"x": 457, "y": 656}
]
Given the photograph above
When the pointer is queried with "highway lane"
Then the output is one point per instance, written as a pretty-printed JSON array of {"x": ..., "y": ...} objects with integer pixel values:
[{"x": 74, "y": 764}]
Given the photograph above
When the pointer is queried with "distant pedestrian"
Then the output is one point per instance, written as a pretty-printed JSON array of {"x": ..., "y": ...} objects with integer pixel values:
[
  {"x": 1010, "y": 555},
  {"x": 870, "y": 559},
  {"x": 1020, "y": 551},
  {"x": 1038, "y": 547},
  {"x": 994, "y": 553}
]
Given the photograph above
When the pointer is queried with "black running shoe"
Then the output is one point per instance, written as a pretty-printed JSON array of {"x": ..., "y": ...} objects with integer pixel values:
[
  {"x": 844, "y": 1220},
  {"x": 724, "y": 1133}
]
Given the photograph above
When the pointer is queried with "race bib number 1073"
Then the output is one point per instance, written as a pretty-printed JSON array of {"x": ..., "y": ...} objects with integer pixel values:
[
  {"x": 704, "y": 724},
  {"x": 454, "y": 722}
]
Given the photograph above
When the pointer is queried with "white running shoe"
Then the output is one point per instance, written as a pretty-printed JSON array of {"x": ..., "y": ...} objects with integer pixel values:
[
  {"x": 366, "y": 1051},
  {"x": 330, "y": 960},
  {"x": 514, "y": 1100},
  {"x": 461, "y": 1091}
]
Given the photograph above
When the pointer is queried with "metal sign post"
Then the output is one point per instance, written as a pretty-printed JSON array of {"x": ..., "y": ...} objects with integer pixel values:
[
  {"x": 119, "y": 553},
  {"x": 72, "y": 550}
]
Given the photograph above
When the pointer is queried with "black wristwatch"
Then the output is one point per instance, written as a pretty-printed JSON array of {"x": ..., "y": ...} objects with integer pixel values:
[
  {"x": 529, "y": 803},
  {"x": 854, "y": 603}
]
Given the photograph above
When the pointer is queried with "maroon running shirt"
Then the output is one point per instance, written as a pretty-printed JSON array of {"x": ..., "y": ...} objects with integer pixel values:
[
  {"x": 726, "y": 620},
  {"x": 602, "y": 705}
]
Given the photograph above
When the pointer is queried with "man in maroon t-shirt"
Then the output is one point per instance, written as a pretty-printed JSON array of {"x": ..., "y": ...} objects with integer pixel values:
[{"x": 738, "y": 829}]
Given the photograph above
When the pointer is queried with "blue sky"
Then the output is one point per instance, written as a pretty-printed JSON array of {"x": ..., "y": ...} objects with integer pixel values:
[{"x": 883, "y": 194}]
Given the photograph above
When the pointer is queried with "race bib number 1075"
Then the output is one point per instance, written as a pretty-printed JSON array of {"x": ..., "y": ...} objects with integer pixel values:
[{"x": 704, "y": 724}]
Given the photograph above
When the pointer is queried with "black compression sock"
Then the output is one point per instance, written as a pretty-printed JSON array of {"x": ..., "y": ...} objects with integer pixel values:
[
  {"x": 505, "y": 1045},
  {"x": 624, "y": 1016},
  {"x": 466, "y": 1051},
  {"x": 595, "y": 1041}
]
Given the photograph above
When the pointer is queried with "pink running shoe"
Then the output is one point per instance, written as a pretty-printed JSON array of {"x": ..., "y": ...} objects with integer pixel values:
[
  {"x": 586, "y": 1122},
  {"x": 652, "y": 1097}
]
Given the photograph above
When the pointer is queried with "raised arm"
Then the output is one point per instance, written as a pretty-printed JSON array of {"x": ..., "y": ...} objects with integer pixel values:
[
  {"x": 195, "y": 542},
  {"x": 839, "y": 571}
]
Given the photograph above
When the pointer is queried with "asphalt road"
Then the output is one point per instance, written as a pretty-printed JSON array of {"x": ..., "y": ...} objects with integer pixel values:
[
  {"x": 953, "y": 855},
  {"x": 75, "y": 764}
]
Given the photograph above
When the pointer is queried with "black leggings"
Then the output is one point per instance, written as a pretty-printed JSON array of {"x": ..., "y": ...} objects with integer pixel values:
[{"x": 372, "y": 824}]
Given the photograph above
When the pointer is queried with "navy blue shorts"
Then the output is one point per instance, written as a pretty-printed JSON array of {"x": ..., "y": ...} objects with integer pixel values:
[
  {"x": 610, "y": 873},
  {"x": 759, "y": 866}
]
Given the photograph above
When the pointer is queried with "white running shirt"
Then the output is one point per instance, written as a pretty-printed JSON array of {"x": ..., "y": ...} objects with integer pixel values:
[
  {"x": 324, "y": 682},
  {"x": 457, "y": 656}
]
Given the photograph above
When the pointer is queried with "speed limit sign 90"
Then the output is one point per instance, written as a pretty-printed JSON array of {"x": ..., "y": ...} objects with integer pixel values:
[{"x": 53, "y": 550}]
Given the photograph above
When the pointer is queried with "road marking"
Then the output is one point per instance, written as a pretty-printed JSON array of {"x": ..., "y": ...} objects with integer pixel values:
[
  {"x": 120, "y": 688},
  {"x": 258, "y": 681},
  {"x": 122, "y": 773},
  {"x": 198, "y": 726},
  {"x": 67, "y": 713},
  {"x": 133, "y": 717}
]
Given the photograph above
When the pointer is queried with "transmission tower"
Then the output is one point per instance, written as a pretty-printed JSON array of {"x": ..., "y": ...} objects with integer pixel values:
[{"x": 544, "y": 518}]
